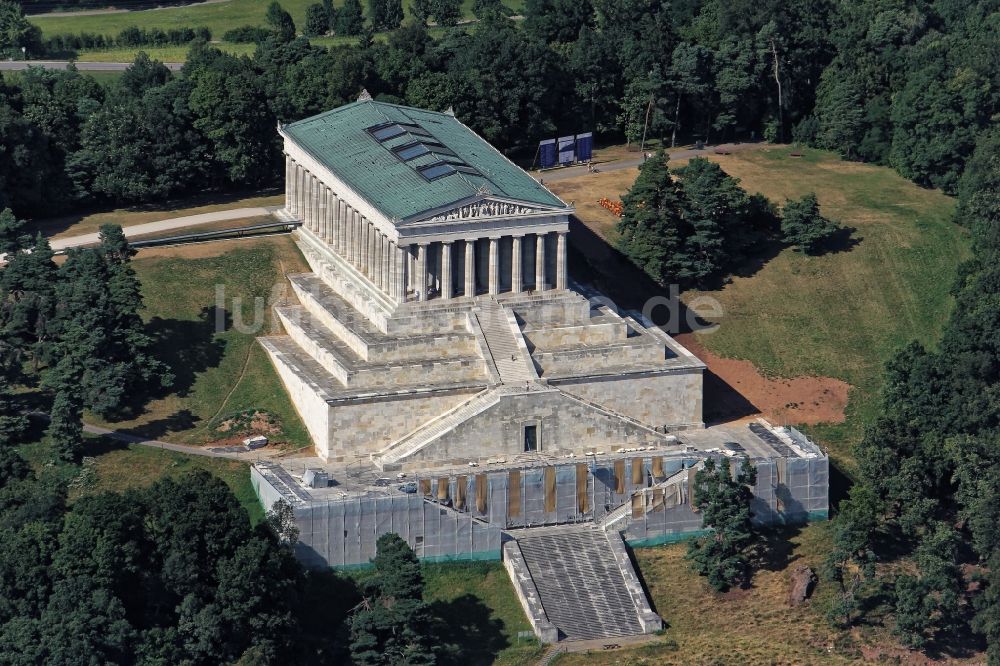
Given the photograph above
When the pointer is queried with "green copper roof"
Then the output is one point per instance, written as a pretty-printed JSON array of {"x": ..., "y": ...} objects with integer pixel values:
[{"x": 431, "y": 160}]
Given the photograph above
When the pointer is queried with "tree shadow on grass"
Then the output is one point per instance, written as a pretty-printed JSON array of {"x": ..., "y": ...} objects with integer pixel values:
[
  {"x": 842, "y": 240},
  {"x": 777, "y": 551},
  {"x": 189, "y": 346},
  {"x": 179, "y": 421},
  {"x": 472, "y": 636}
]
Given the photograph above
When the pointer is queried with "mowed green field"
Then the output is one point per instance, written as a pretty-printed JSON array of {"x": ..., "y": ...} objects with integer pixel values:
[
  {"x": 842, "y": 314},
  {"x": 216, "y": 16},
  {"x": 218, "y": 374},
  {"x": 845, "y": 313}
]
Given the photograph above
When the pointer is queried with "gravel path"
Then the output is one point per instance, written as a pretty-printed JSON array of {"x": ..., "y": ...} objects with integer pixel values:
[{"x": 168, "y": 224}]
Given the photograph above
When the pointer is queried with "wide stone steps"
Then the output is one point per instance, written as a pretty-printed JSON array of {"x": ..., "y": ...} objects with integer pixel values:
[
  {"x": 366, "y": 340},
  {"x": 430, "y": 431},
  {"x": 312, "y": 373},
  {"x": 340, "y": 360},
  {"x": 510, "y": 363},
  {"x": 581, "y": 588}
]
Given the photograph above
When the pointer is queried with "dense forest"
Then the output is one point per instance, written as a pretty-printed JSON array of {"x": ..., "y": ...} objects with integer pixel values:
[{"x": 905, "y": 83}]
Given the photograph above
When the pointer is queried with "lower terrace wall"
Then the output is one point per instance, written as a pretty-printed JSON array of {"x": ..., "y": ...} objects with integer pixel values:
[
  {"x": 673, "y": 400},
  {"x": 462, "y": 516},
  {"x": 563, "y": 426},
  {"x": 358, "y": 426}
]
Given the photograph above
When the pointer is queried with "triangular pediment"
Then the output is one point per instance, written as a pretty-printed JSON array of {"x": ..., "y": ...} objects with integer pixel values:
[{"x": 487, "y": 208}]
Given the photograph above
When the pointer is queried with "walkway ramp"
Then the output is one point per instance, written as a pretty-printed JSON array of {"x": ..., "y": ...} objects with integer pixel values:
[
  {"x": 585, "y": 582},
  {"x": 506, "y": 346}
]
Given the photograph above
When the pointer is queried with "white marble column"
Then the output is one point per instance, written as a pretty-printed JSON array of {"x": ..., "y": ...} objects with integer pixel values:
[
  {"x": 421, "y": 282},
  {"x": 398, "y": 272},
  {"x": 293, "y": 190},
  {"x": 301, "y": 186},
  {"x": 470, "y": 268},
  {"x": 314, "y": 203},
  {"x": 289, "y": 170},
  {"x": 305, "y": 213},
  {"x": 331, "y": 218},
  {"x": 383, "y": 262},
  {"x": 539, "y": 262},
  {"x": 358, "y": 239},
  {"x": 561, "y": 260},
  {"x": 349, "y": 235},
  {"x": 341, "y": 227},
  {"x": 446, "y": 269},
  {"x": 494, "y": 268},
  {"x": 516, "y": 266}
]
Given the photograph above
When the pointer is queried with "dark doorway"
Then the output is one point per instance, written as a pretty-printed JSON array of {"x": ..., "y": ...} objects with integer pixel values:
[{"x": 530, "y": 438}]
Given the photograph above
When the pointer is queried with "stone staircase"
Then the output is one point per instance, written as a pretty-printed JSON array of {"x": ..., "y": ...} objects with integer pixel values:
[
  {"x": 581, "y": 585},
  {"x": 436, "y": 427},
  {"x": 509, "y": 357}
]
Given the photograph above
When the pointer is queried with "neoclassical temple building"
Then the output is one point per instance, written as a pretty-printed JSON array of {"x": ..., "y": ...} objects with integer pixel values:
[{"x": 439, "y": 325}]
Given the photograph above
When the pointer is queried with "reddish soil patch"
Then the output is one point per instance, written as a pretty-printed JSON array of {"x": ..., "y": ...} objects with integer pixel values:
[{"x": 735, "y": 389}]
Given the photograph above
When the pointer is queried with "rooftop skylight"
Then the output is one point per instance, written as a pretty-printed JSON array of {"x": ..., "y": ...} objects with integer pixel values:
[{"x": 420, "y": 143}]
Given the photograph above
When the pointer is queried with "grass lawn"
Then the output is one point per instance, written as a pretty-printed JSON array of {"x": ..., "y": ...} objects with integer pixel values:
[
  {"x": 135, "y": 466},
  {"x": 86, "y": 223},
  {"x": 217, "y": 17},
  {"x": 217, "y": 374},
  {"x": 112, "y": 466},
  {"x": 481, "y": 613},
  {"x": 840, "y": 315}
]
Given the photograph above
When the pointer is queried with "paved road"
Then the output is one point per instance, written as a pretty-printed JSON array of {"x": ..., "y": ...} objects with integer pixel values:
[
  {"x": 168, "y": 224},
  {"x": 96, "y": 12},
  {"x": 631, "y": 162},
  {"x": 18, "y": 65}
]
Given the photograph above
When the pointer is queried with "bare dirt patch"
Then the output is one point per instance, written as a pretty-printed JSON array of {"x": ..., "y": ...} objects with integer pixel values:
[{"x": 796, "y": 400}]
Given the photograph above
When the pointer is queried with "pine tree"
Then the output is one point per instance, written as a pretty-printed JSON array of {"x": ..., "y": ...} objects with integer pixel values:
[
  {"x": 13, "y": 423},
  {"x": 421, "y": 10},
  {"x": 724, "y": 502},
  {"x": 280, "y": 22},
  {"x": 385, "y": 14},
  {"x": 652, "y": 228},
  {"x": 446, "y": 12},
  {"x": 104, "y": 355},
  {"x": 395, "y": 627},
  {"x": 350, "y": 18},
  {"x": 27, "y": 313},
  {"x": 804, "y": 227},
  {"x": 66, "y": 422},
  {"x": 317, "y": 20},
  {"x": 12, "y": 237}
]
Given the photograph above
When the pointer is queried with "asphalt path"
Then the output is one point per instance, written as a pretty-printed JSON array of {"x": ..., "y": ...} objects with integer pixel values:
[
  {"x": 167, "y": 225},
  {"x": 19, "y": 65},
  {"x": 111, "y": 10}
]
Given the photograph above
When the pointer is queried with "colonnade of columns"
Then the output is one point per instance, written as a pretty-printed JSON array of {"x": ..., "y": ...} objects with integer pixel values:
[
  {"x": 395, "y": 269},
  {"x": 492, "y": 265},
  {"x": 350, "y": 234}
]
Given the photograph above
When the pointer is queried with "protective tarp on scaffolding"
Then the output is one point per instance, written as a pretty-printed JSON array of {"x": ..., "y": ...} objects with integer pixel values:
[{"x": 649, "y": 497}]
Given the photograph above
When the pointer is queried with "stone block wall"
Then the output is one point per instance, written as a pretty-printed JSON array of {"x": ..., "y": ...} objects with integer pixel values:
[
  {"x": 672, "y": 399},
  {"x": 359, "y": 426},
  {"x": 563, "y": 426}
]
